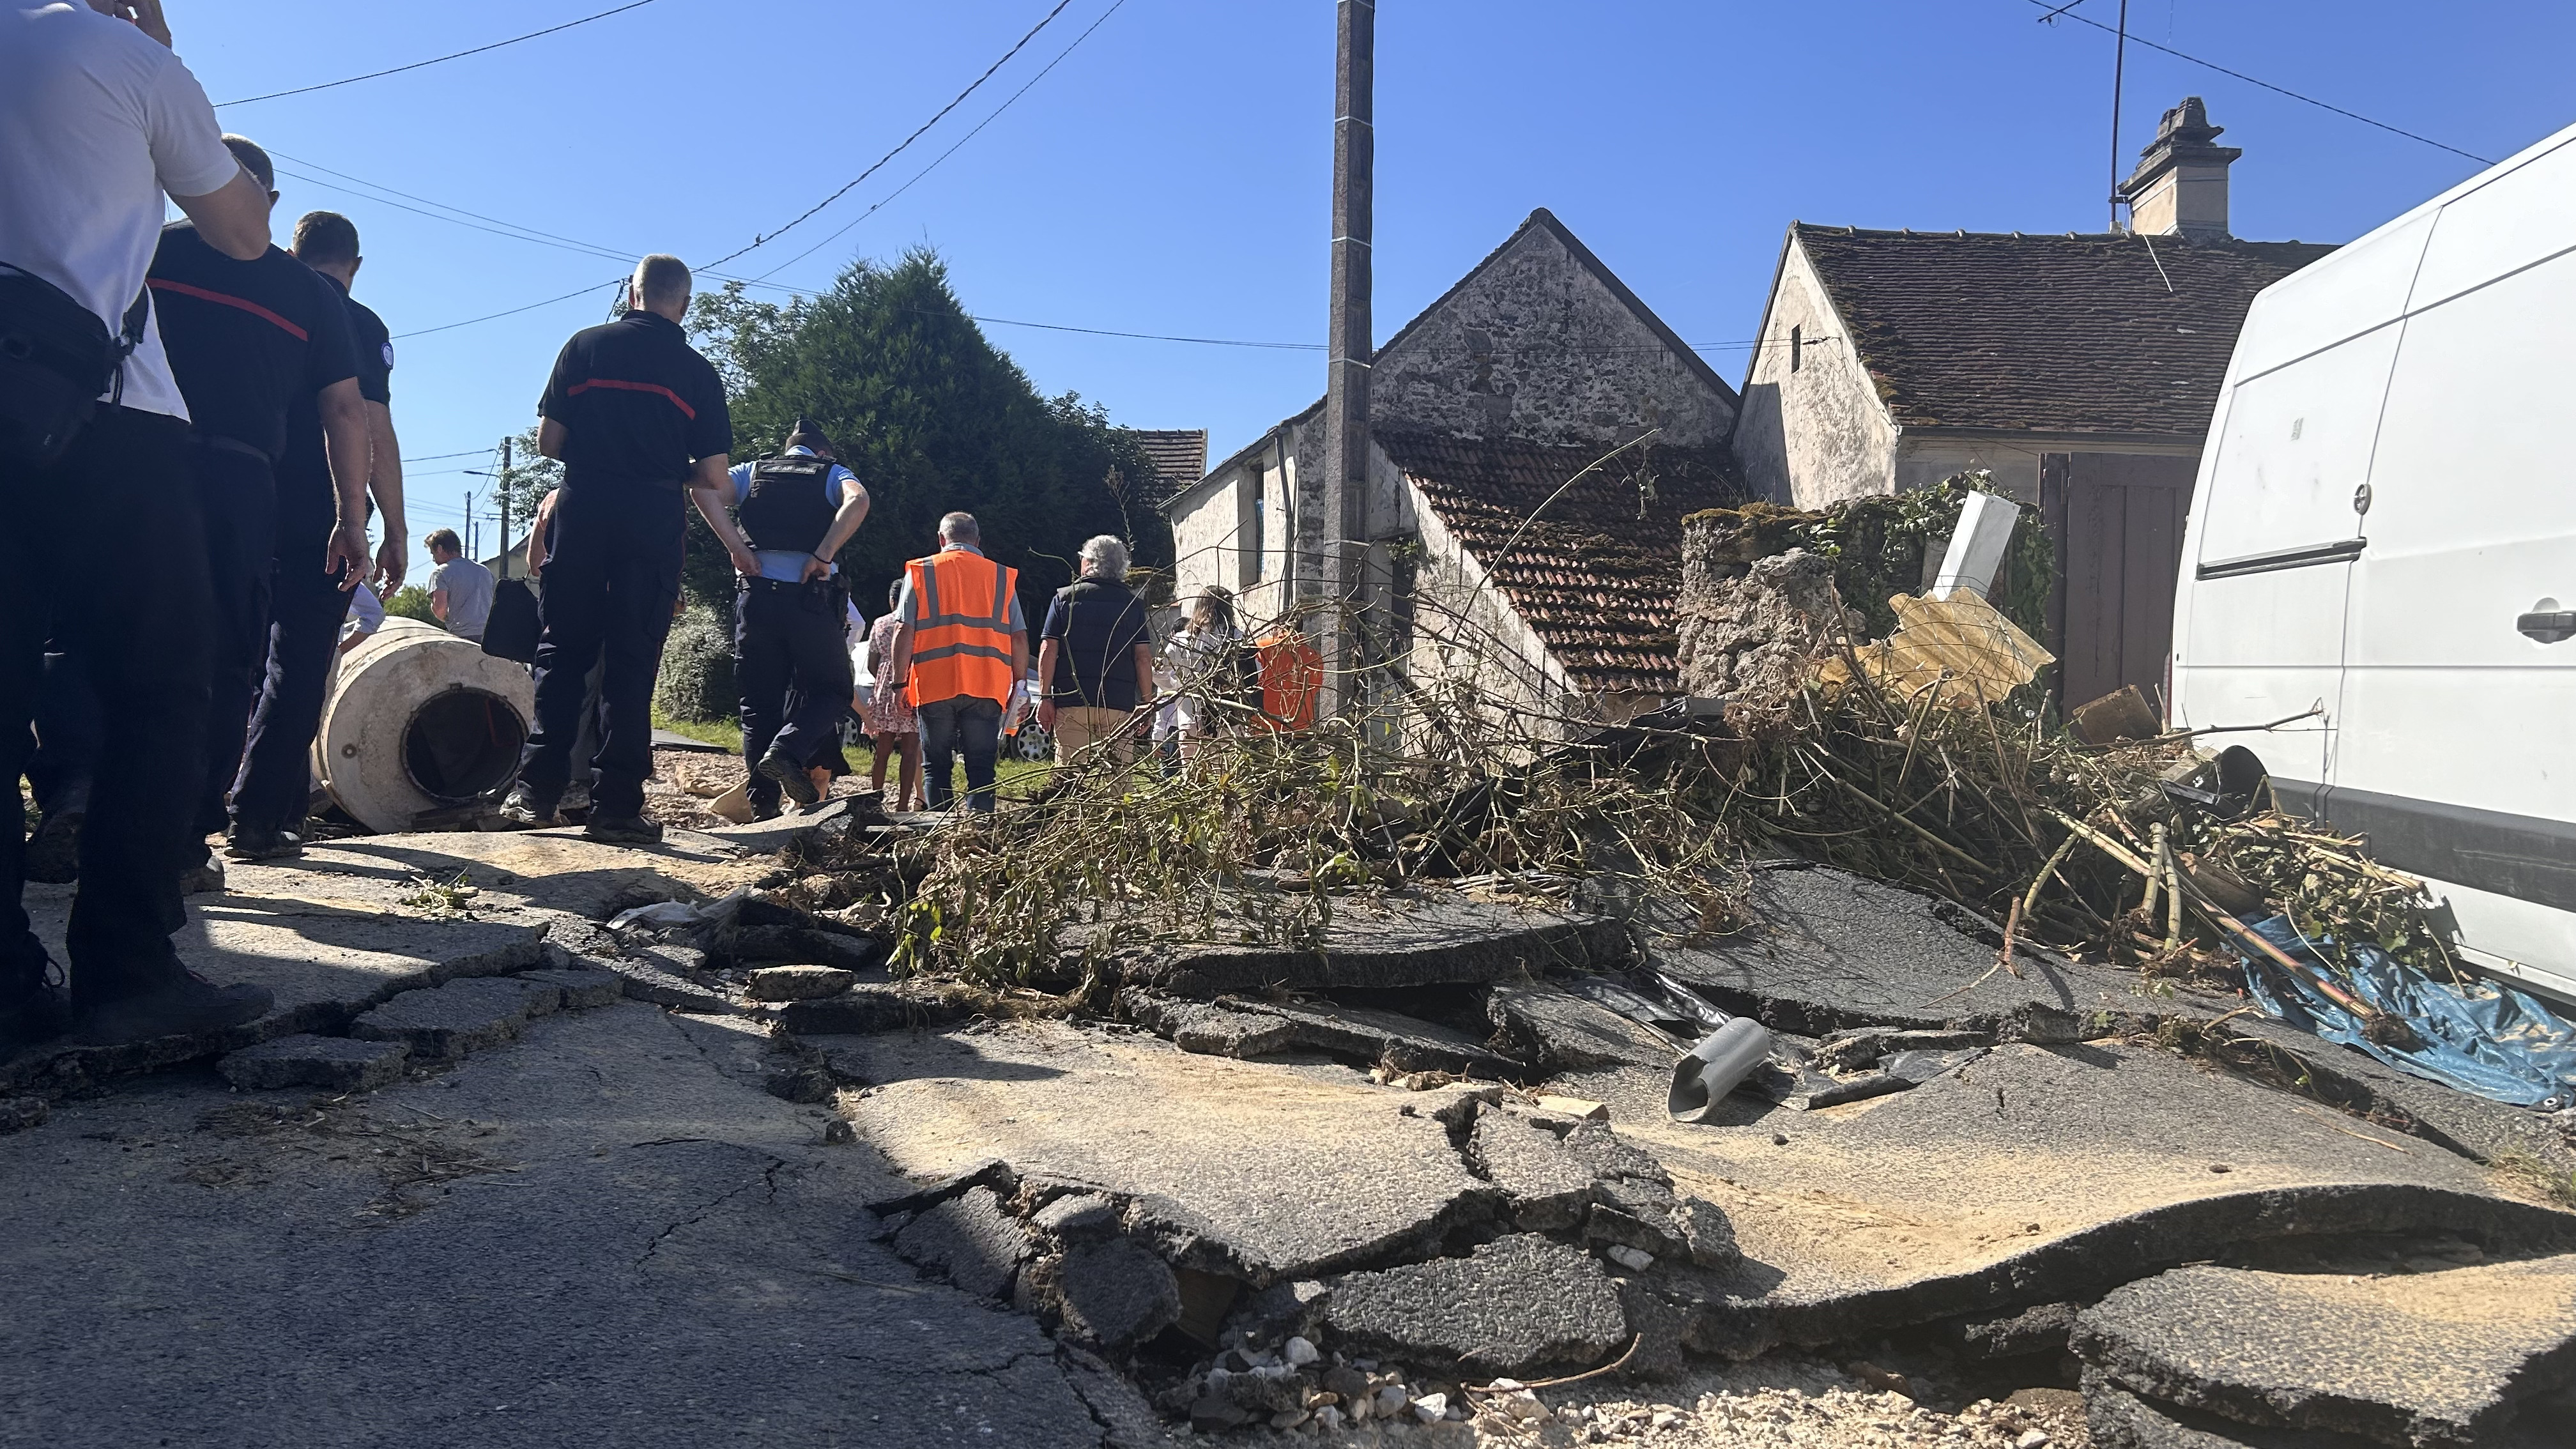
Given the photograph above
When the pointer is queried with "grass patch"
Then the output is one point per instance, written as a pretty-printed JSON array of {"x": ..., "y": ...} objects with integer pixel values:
[{"x": 727, "y": 733}]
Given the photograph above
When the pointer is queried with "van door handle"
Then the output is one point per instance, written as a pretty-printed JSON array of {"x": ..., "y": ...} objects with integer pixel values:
[{"x": 2548, "y": 628}]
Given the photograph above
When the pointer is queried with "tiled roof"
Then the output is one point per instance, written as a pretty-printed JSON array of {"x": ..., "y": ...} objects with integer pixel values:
[
  {"x": 2102, "y": 333},
  {"x": 1179, "y": 456},
  {"x": 1597, "y": 574}
]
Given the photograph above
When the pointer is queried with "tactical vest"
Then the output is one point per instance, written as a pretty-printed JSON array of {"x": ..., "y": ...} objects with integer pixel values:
[{"x": 790, "y": 505}]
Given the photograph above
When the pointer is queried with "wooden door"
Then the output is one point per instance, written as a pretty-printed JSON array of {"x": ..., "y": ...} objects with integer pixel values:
[{"x": 2117, "y": 521}]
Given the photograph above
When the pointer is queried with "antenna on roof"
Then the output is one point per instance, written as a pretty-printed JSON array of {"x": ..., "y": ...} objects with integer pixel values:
[{"x": 2119, "y": 63}]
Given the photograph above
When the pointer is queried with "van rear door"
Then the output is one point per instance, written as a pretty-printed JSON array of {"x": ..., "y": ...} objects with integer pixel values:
[
  {"x": 2260, "y": 631},
  {"x": 2460, "y": 689}
]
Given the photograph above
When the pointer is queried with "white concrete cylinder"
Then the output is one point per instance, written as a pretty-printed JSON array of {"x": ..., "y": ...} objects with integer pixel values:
[{"x": 417, "y": 720}]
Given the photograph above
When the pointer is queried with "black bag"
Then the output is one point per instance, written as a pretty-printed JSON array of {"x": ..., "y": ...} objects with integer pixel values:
[
  {"x": 56, "y": 357},
  {"x": 510, "y": 631}
]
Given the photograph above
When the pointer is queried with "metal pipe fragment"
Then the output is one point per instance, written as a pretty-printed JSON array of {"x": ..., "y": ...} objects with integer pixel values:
[{"x": 1715, "y": 1067}]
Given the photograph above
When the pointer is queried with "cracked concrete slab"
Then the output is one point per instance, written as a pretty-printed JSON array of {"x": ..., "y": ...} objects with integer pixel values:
[
  {"x": 330, "y": 1063},
  {"x": 2314, "y": 1351},
  {"x": 546, "y": 870},
  {"x": 1368, "y": 1035},
  {"x": 969, "y": 1240},
  {"x": 448, "y": 1023},
  {"x": 1427, "y": 939},
  {"x": 1211, "y": 1030},
  {"x": 1559, "y": 1031},
  {"x": 1834, "y": 950},
  {"x": 1516, "y": 1305},
  {"x": 327, "y": 959},
  {"x": 2039, "y": 1175},
  {"x": 637, "y": 1251},
  {"x": 874, "y": 1006},
  {"x": 1260, "y": 1171}
]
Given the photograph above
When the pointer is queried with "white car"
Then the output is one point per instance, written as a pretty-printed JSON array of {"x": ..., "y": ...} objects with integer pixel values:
[{"x": 2383, "y": 539}]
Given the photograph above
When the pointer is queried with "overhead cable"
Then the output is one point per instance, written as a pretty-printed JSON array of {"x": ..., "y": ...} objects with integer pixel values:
[
  {"x": 439, "y": 60},
  {"x": 2068, "y": 12},
  {"x": 807, "y": 214},
  {"x": 951, "y": 151}
]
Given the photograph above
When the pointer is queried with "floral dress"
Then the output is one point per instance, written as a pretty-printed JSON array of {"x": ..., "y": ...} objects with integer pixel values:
[{"x": 888, "y": 711}]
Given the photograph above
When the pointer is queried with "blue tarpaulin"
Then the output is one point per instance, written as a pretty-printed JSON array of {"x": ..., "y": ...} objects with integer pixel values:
[{"x": 2478, "y": 1036}]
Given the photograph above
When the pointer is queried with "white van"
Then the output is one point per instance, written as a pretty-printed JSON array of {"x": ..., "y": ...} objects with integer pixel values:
[{"x": 2384, "y": 531}]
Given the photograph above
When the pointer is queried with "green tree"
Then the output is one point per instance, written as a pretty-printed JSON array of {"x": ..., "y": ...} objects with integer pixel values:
[
  {"x": 411, "y": 601},
  {"x": 932, "y": 417}
]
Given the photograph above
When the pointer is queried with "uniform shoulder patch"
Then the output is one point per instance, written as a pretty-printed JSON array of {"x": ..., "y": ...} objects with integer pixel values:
[{"x": 389, "y": 355}]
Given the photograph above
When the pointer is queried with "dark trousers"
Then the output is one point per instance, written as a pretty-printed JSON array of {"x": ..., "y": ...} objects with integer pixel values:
[
  {"x": 237, "y": 499},
  {"x": 105, "y": 551},
  {"x": 306, "y": 609},
  {"x": 607, "y": 601},
  {"x": 964, "y": 725},
  {"x": 238, "y": 493},
  {"x": 789, "y": 664},
  {"x": 68, "y": 726}
]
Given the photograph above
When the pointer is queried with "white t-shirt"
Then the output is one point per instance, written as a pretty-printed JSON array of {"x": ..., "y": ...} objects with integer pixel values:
[{"x": 97, "y": 120}]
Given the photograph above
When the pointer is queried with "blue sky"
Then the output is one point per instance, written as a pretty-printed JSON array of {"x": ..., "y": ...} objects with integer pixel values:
[{"x": 1170, "y": 175}]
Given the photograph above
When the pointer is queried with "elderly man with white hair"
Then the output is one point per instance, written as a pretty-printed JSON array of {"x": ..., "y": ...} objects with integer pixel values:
[{"x": 1096, "y": 658}]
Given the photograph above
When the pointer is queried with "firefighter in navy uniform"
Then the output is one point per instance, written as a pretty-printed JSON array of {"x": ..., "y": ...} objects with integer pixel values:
[
  {"x": 637, "y": 418},
  {"x": 790, "y": 647},
  {"x": 310, "y": 593}
]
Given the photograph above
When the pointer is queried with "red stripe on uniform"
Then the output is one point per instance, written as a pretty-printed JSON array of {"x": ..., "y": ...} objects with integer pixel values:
[
  {"x": 163, "y": 284},
  {"x": 676, "y": 401}
]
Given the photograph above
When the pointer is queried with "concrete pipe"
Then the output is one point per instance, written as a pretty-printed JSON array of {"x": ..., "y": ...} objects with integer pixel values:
[{"x": 419, "y": 720}]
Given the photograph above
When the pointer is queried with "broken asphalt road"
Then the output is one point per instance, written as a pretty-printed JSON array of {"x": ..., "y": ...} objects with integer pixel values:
[{"x": 615, "y": 1244}]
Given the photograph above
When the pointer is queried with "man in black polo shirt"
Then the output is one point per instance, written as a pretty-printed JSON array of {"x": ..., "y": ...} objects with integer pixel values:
[
  {"x": 244, "y": 339},
  {"x": 637, "y": 418},
  {"x": 309, "y": 588}
]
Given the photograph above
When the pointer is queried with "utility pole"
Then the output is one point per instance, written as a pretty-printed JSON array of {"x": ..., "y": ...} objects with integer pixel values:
[
  {"x": 469, "y": 523},
  {"x": 1346, "y": 393},
  {"x": 505, "y": 508}
]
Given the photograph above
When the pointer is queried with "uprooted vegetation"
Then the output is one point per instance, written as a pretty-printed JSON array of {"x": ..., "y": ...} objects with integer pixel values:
[{"x": 2139, "y": 852}]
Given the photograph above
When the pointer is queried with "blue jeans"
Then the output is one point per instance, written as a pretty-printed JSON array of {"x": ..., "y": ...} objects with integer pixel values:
[{"x": 964, "y": 725}]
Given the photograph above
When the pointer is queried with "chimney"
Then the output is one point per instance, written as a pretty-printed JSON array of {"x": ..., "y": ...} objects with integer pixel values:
[{"x": 2180, "y": 186}]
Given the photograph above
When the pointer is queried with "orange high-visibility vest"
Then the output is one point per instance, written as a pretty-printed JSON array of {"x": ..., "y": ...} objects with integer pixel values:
[{"x": 961, "y": 630}]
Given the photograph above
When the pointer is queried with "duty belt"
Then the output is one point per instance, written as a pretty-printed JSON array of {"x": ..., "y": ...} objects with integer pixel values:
[
  {"x": 221, "y": 444},
  {"x": 830, "y": 584}
]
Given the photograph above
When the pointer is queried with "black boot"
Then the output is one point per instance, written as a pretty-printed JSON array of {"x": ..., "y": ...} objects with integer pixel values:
[
  {"x": 790, "y": 775},
  {"x": 33, "y": 1008},
  {"x": 184, "y": 1007}
]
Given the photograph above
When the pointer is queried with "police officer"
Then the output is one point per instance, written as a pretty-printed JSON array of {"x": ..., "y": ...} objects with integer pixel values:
[
  {"x": 797, "y": 509},
  {"x": 637, "y": 418},
  {"x": 310, "y": 591},
  {"x": 244, "y": 340}
]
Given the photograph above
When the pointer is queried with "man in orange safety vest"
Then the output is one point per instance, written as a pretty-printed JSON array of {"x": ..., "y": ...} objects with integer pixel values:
[{"x": 961, "y": 644}]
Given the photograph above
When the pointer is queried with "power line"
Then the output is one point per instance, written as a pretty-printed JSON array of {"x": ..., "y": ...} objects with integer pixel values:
[
  {"x": 762, "y": 241},
  {"x": 2068, "y": 12},
  {"x": 440, "y": 60},
  {"x": 951, "y": 151},
  {"x": 530, "y": 233},
  {"x": 443, "y": 457}
]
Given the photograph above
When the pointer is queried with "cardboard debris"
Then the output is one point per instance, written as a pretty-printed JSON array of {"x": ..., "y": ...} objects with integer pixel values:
[{"x": 1961, "y": 640}]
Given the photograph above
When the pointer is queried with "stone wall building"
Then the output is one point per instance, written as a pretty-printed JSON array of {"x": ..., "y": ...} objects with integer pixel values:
[
  {"x": 2080, "y": 370},
  {"x": 1484, "y": 409}
]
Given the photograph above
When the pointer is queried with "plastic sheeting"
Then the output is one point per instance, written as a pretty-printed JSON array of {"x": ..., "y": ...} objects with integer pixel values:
[{"x": 2479, "y": 1037}]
